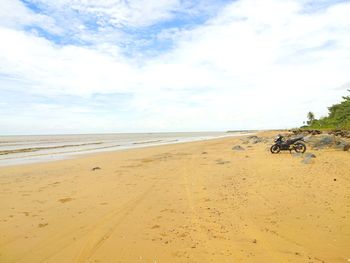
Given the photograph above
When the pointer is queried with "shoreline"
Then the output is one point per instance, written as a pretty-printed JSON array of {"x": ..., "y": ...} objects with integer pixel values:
[
  {"x": 187, "y": 202},
  {"x": 9, "y": 160}
]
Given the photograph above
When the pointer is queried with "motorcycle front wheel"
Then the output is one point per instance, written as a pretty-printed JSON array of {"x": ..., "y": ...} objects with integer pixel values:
[
  {"x": 275, "y": 148},
  {"x": 300, "y": 147}
]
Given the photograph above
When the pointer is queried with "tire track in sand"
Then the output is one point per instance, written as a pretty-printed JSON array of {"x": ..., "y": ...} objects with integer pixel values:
[
  {"x": 106, "y": 226},
  {"x": 55, "y": 244},
  {"x": 200, "y": 235}
]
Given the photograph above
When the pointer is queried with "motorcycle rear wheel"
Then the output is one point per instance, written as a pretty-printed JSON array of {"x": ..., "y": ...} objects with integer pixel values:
[
  {"x": 275, "y": 148},
  {"x": 300, "y": 147}
]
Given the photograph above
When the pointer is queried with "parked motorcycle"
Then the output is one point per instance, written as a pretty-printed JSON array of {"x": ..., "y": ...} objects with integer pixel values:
[{"x": 288, "y": 145}]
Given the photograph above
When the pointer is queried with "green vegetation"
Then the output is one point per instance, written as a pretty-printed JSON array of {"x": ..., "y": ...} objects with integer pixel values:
[
  {"x": 311, "y": 118},
  {"x": 338, "y": 117}
]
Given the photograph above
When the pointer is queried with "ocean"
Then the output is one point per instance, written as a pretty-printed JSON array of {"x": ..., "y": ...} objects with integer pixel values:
[{"x": 16, "y": 150}]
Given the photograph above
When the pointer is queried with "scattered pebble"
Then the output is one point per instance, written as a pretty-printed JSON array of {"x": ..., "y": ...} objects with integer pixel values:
[
  {"x": 65, "y": 200},
  {"x": 308, "y": 158},
  {"x": 222, "y": 162},
  {"x": 309, "y": 155},
  {"x": 238, "y": 148}
]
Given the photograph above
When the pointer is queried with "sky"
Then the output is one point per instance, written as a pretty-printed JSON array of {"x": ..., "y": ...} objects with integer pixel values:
[{"x": 84, "y": 66}]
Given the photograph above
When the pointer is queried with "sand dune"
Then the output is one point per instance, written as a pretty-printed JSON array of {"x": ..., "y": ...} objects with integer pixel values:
[{"x": 190, "y": 202}]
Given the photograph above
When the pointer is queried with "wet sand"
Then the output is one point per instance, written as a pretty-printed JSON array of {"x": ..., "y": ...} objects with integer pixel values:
[{"x": 190, "y": 202}]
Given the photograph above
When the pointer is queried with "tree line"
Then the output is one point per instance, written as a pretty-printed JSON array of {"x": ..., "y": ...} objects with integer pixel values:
[{"x": 338, "y": 117}]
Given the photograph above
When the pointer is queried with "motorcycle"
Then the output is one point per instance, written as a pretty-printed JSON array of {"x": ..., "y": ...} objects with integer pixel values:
[{"x": 288, "y": 145}]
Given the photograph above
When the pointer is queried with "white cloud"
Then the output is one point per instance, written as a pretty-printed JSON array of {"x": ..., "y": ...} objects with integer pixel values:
[
  {"x": 119, "y": 12},
  {"x": 257, "y": 64},
  {"x": 14, "y": 14},
  {"x": 52, "y": 69}
]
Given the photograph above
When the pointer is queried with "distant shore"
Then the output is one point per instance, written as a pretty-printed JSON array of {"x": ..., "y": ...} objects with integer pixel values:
[{"x": 203, "y": 201}]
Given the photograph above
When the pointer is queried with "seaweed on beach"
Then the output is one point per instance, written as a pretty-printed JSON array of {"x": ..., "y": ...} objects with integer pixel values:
[{"x": 35, "y": 149}]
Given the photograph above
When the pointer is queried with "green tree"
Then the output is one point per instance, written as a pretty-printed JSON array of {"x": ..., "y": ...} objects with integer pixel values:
[
  {"x": 310, "y": 117},
  {"x": 338, "y": 117}
]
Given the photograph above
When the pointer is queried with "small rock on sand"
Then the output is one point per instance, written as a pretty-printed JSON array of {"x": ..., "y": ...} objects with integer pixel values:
[
  {"x": 256, "y": 140},
  {"x": 65, "y": 200},
  {"x": 309, "y": 155},
  {"x": 343, "y": 145},
  {"x": 253, "y": 139},
  {"x": 96, "y": 168},
  {"x": 219, "y": 161},
  {"x": 238, "y": 148},
  {"x": 308, "y": 158},
  {"x": 323, "y": 141}
]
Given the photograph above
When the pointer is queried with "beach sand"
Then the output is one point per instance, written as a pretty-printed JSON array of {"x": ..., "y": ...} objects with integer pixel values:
[{"x": 189, "y": 202}]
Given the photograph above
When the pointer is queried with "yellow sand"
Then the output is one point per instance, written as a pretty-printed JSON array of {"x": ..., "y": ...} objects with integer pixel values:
[{"x": 175, "y": 203}]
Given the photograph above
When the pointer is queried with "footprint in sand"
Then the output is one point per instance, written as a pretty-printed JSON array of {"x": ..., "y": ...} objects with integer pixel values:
[{"x": 65, "y": 200}]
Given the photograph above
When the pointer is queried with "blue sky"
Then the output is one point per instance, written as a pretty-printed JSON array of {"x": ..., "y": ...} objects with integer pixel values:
[{"x": 74, "y": 66}]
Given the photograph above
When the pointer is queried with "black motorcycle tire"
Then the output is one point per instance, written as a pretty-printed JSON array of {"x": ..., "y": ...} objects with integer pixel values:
[
  {"x": 275, "y": 148},
  {"x": 299, "y": 147}
]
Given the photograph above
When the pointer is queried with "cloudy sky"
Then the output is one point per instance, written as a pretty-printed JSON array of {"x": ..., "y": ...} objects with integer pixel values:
[{"x": 81, "y": 66}]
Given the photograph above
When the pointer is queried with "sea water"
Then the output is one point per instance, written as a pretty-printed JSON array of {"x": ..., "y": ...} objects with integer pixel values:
[{"x": 36, "y": 148}]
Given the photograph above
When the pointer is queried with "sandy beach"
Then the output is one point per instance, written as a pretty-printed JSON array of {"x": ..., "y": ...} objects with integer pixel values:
[{"x": 190, "y": 202}]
